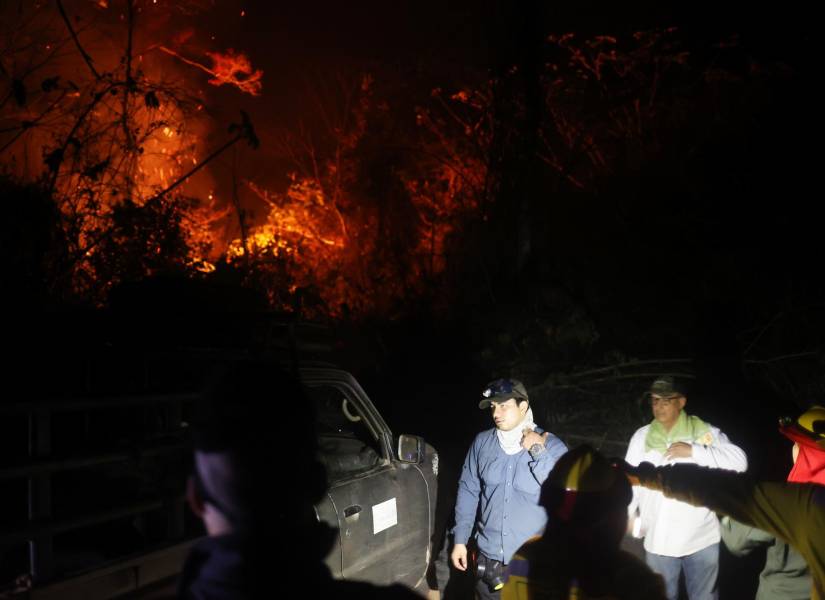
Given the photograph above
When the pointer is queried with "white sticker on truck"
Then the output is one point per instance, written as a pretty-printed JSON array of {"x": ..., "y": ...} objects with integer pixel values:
[{"x": 384, "y": 516}]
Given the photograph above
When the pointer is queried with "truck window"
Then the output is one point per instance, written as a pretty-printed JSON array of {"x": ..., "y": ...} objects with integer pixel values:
[{"x": 347, "y": 446}]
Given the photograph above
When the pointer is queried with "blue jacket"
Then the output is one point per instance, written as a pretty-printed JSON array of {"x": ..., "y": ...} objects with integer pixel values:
[{"x": 507, "y": 488}]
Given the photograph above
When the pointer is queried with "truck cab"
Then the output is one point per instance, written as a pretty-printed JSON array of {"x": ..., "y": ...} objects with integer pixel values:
[{"x": 381, "y": 489}]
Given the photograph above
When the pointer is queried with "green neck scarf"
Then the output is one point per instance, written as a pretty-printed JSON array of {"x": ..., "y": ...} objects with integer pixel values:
[{"x": 686, "y": 429}]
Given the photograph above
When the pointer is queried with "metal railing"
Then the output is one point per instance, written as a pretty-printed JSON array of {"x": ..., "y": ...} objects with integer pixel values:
[
  {"x": 42, "y": 526},
  {"x": 128, "y": 576},
  {"x": 146, "y": 367}
]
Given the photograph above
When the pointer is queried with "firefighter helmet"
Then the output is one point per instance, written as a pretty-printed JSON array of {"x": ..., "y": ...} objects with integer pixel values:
[
  {"x": 813, "y": 420},
  {"x": 584, "y": 481},
  {"x": 808, "y": 429}
]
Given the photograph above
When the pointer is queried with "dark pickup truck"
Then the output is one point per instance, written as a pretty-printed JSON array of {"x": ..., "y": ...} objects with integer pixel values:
[{"x": 382, "y": 489}]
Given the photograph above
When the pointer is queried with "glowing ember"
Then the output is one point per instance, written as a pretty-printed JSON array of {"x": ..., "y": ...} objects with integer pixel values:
[
  {"x": 235, "y": 69},
  {"x": 204, "y": 266},
  {"x": 230, "y": 68}
]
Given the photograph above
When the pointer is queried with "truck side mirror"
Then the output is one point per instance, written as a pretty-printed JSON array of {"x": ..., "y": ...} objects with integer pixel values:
[{"x": 410, "y": 448}]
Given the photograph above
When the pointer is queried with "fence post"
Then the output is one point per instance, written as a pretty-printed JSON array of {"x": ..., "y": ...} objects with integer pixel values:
[
  {"x": 177, "y": 507},
  {"x": 41, "y": 547}
]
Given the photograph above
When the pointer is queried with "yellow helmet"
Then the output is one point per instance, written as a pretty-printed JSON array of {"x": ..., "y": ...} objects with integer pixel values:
[
  {"x": 813, "y": 421},
  {"x": 808, "y": 430},
  {"x": 583, "y": 481}
]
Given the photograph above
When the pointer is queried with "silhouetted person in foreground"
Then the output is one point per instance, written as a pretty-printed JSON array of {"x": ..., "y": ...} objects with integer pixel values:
[
  {"x": 578, "y": 556},
  {"x": 794, "y": 512},
  {"x": 256, "y": 479}
]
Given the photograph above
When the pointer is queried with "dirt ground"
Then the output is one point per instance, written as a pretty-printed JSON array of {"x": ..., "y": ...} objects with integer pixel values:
[{"x": 738, "y": 577}]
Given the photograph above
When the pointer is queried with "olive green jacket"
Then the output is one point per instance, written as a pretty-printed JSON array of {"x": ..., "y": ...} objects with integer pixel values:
[{"x": 785, "y": 576}]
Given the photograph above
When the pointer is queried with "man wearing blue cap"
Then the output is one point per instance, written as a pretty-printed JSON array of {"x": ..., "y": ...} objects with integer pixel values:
[{"x": 501, "y": 482}]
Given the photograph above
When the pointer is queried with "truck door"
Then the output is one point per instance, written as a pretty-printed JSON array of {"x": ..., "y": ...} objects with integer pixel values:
[{"x": 373, "y": 499}]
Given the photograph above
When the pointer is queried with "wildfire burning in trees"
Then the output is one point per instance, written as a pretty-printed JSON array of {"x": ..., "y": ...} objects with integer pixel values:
[
  {"x": 119, "y": 137},
  {"x": 116, "y": 121}
]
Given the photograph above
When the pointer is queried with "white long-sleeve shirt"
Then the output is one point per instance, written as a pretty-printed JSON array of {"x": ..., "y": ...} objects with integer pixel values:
[{"x": 672, "y": 527}]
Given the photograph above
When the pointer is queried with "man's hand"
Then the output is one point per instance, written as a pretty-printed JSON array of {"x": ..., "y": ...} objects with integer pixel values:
[
  {"x": 530, "y": 437},
  {"x": 635, "y": 475},
  {"x": 629, "y": 470},
  {"x": 679, "y": 450},
  {"x": 459, "y": 557}
]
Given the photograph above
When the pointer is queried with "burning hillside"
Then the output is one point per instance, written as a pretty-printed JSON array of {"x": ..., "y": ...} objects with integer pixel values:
[
  {"x": 116, "y": 122},
  {"x": 126, "y": 113}
]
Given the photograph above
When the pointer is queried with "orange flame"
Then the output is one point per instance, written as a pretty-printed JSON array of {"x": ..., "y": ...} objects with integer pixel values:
[
  {"x": 230, "y": 68},
  {"x": 235, "y": 69}
]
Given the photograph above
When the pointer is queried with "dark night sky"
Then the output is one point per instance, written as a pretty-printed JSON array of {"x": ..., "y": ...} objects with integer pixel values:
[
  {"x": 299, "y": 44},
  {"x": 291, "y": 40},
  {"x": 288, "y": 38}
]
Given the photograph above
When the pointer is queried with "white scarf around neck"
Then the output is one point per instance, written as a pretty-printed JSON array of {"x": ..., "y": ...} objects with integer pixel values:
[{"x": 510, "y": 441}]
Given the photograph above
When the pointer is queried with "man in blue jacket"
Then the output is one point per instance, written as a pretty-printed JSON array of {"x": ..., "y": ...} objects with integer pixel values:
[{"x": 501, "y": 482}]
